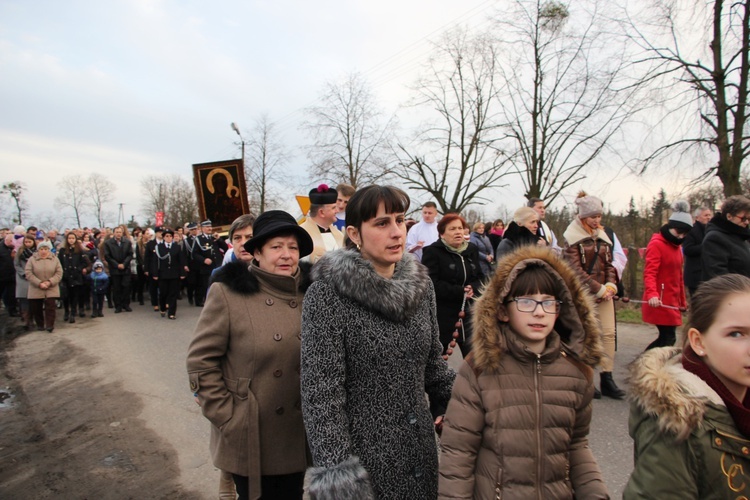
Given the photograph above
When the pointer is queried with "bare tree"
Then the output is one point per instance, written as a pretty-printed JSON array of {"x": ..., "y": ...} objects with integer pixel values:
[
  {"x": 264, "y": 158},
  {"x": 172, "y": 195},
  {"x": 564, "y": 92},
  {"x": 73, "y": 195},
  {"x": 100, "y": 191},
  {"x": 696, "y": 55},
  {"x": 16, "y": 191},
  {"x": 351, "y": 139},
  {"x": 457, "y": 156}
]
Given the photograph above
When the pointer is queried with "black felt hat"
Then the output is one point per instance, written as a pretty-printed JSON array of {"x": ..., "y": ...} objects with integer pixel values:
[{"x": 273, "y": 223}]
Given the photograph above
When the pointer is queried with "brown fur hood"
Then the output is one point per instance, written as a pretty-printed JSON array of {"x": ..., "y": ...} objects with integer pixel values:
[
  {"x": 578, "y": 325},
  {"x": 660, "y": 386}
]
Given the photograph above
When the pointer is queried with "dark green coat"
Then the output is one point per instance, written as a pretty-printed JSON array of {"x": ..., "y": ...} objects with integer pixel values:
[{"x": 686, "y": 443}]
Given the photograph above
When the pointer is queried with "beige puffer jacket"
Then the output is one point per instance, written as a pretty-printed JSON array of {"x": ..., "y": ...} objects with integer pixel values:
[{"x": 517, "y": 424}]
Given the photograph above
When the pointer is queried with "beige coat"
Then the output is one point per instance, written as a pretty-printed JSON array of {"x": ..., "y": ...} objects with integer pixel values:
[
  {"x": 517, "y": 424},
  {"x": 244, "y": 365},
  {"x": 319, "y": 247},
  {"x": 39, "y": 270}
]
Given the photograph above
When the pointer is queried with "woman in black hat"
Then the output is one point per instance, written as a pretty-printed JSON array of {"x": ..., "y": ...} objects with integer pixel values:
[
  {"x": 243, "y": 362},
  {"x": 167, "y": 269}
]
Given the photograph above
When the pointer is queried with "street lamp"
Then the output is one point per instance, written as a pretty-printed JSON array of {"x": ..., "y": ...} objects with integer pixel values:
[{"x": 242, "y": 141}]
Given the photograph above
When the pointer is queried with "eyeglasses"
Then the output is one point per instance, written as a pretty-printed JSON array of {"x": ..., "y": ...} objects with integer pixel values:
[
  {"x": 742, "y": 219},
  {"x": 527, "y": 305}
]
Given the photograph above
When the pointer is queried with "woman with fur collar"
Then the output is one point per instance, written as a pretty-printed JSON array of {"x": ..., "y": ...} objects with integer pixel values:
[
  {"x": 370, "y": 351},
  {"x": 588, "y": 250},
  {"x": 690, "y": 416},
  {"x": 521, "y": 403},
  {"x": 243, "y": 362}
]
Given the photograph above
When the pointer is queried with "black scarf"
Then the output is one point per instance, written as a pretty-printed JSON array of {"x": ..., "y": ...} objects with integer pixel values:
[{"x": 664, "y": 231}]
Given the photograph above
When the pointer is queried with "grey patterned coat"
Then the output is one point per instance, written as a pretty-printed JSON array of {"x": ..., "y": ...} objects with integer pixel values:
[{"x": 370, "y": 351}]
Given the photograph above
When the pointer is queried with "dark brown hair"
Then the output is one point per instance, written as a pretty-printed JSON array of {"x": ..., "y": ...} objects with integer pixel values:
[
  {"x": 364, "y": 203},
  {"x": 447, "y": 219},
  {"x": 734, "y": 205},
  {"x": 706, "y": 300},
  {"x": 532, "y": 280}
]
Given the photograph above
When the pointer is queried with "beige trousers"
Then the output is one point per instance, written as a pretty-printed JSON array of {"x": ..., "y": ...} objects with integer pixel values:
[{"x": 606, "y": 311}]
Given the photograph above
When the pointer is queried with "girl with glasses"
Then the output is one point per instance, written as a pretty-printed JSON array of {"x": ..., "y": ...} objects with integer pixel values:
[{"x": 518, "y": 419}]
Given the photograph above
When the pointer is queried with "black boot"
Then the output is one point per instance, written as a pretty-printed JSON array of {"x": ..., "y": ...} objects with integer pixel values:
[
  {"x": 609, "y": 388},
  {"x": 597, "y": 393},
  {"x": 66, "y": 316}
]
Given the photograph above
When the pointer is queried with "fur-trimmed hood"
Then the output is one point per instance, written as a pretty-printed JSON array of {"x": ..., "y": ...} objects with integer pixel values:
[
  {"x": 238, "y": 277},
  {"x": 355, "y": 278},
  {"x": 577, "y": 325},
  {"x": 660, "y": 386}
]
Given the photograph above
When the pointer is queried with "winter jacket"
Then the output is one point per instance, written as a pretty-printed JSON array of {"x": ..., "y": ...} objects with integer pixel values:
[
  {"x": 370, "y": 352},
  {"x": 582, "y": 248},
  {"x": 692, "y": 249},
  {"x": 7, "y": 268},
  {"x": 515, "y": 416},
  {"x": 450, "y": 273},
  {"x": 39, "y": 270},
  {"x": 75, "y": 265},
  {"x": 725, "y": 248},
  {"x": 484, "y": 247},
  {"x": 662, "y": 278},
  {"x": 514, "y": 237},
  {"x": 243, "y": 363},
  {"x": 115, "y": 254},
  {"x": 22, "y": 284},
  {"x": 99, "y": 282},
  {"x": 686, "y": 444}
]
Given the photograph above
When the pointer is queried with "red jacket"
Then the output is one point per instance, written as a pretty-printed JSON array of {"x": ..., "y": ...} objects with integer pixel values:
[{"x": 663, "y": 279}]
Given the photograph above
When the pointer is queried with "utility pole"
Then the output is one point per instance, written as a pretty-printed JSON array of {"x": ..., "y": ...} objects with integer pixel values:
[{"x": 121, "y": 215}]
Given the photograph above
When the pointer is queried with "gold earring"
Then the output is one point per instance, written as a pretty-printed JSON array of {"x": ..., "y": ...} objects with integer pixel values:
[{"x": 359, "y": 248}]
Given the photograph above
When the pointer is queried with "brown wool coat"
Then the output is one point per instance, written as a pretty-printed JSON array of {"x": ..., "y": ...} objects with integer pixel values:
[
  {"x": 39, "y": 270},
  {"x": 517, "y": 424},
  {"x": 244, "y": 365}
]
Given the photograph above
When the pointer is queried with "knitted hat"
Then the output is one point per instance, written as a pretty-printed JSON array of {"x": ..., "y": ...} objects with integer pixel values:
[
  {"x": 588, "y": 206},
  {"x": 98, "y": 263},
  {"x": 323, "y": 195},
  {"x": 45, "y": 244},
  {"x": 680, "y": 218}
]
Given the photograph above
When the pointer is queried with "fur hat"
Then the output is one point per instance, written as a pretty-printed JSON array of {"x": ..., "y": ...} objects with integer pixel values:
[
  {"x": 680, "y": 218},
  {"x": 588, "y": 206},
  {"x": 323, "y": 195}
]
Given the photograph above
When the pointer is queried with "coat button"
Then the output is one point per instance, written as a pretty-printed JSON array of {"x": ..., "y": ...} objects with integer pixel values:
[
  {"x": 292, "y": 303},
  {"x": 277, "y": 336},
  {"x": 269, "y": 302},
  {"x": 418, "y": 471},
  {"x": 193, "y": 385},
  {"x": 717, "y": 441},
  {"x": 277, "y": 373},
  {"x": 412, "y": 418},
  {"x": 280, "y": 410}
]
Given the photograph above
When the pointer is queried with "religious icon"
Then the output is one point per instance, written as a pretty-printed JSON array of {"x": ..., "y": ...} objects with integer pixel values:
[{"x": 222, "y": 195}]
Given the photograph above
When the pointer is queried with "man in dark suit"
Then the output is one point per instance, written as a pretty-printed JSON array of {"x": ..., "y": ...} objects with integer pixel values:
[{"x": 118, "y": 252}]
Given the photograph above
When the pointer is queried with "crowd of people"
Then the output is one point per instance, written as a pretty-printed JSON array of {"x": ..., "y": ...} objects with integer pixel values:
[{"x": 317, "y": 344}]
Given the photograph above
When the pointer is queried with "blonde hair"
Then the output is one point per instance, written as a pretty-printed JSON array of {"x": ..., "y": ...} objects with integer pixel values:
[{"x": 523, "y": 215}]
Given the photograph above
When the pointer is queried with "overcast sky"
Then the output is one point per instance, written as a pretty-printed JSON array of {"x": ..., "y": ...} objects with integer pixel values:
[{"x": 130, "y": 88}]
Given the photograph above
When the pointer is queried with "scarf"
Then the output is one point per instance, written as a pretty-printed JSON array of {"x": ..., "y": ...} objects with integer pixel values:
[
  {"x": 498, "y": 232},
  {"x": 27, "y": 252},
  {"x": 740, "y": 412},
  {"x": 664, "y": 231},
  {"x": 453, "y": 249}
]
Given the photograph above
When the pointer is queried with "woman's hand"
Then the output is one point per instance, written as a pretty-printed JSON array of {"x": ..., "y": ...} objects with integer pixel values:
[
  {"x": 541, "y": 242},
  {"x": 439, "y": 425},
  {"x": 654, "y": 302},
  {"x": 468, "y": 291},
  {"x": 44, "y": 285}
]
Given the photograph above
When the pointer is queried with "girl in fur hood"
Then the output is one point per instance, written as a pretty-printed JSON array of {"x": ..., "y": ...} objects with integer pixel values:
[
  {"x": 690, "y": 417},
  {"x": 518, "y": 421}
]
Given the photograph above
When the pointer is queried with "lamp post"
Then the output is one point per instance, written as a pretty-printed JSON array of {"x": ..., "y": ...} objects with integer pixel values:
[{"x": 242, "y": 142}]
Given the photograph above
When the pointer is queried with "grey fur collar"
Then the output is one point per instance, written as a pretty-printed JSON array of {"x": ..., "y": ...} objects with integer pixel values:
[
  {"x": 355, "y": 278},
  {"x": 660, "y": 386}
]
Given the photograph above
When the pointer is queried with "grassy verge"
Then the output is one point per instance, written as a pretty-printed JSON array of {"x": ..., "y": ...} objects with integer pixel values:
[{"x": 629, "y": 314}]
